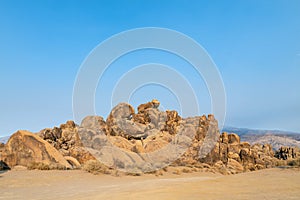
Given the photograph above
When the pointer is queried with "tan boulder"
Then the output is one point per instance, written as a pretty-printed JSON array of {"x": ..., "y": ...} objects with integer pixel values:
[
  {"x": 245, "y": 145},
  {"x": 152, "y": 104},
  {"x": 73, "y": 161},
  {"x": 156, "y": 143},
  {"x": 234, "y": 166},
  {"x": 24, "y": 148},
  {"x": 234, "y": 156},
  {"x": 138, "y": 147},
  {"x": 224, "y": 138},
  {"x": 67, "y": 141},
  {"x": 121, "y": 142},
  {"x": 235, "y": 148},
  {"x": 233, "y": 139}
]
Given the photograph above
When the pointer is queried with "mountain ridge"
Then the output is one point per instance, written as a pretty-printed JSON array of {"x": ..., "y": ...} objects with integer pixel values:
[{"x": 276, "y": 138}]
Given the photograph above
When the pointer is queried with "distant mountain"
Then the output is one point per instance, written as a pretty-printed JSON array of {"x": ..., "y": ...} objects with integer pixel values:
[
  {"x": 4, "y": 139},
  {"x": 276, "y": 138}
]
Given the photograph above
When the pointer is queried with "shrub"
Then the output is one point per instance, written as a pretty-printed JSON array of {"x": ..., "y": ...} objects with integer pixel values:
[
  {"x": 133, "y": 173},
  {"x": 177, "y": 172},
  {"x": 294, "y": 163},
  {"x": 280, "y": 163},
  {"x": 44, "y": 166},
  {"x": 38, "y": 165},
  {"x": 95, "y": 167},
  {"x": 186, "y": 170}
]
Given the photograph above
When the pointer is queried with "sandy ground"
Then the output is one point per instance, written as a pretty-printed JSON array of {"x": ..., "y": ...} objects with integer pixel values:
[{"x": 264, "y": 184}]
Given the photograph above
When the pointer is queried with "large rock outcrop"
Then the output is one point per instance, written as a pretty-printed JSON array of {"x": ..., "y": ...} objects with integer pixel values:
[
  {"x": 24, "y": 148},
  {"x": 66, "y": 140},
  {"x": 230, "y": 152},
  {"x": 140, "y": 142},
  {"x": 149, "y": 137}
]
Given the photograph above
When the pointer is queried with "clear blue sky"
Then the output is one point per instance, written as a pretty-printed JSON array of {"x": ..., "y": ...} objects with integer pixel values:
[{"x": 255, "y": 44}]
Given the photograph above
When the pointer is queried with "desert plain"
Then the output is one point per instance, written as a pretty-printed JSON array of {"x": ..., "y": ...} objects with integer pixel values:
[{"x": 275, "y": 183}]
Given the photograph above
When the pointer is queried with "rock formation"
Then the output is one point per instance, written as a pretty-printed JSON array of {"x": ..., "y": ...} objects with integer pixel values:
[
  {"x": 139, "y": 142},
  {"x": 24, "y": 148},
  {"x": 66, "y": 140},
  {"x": 285, "y": 153},
  {"x": 230, "y": 152}
]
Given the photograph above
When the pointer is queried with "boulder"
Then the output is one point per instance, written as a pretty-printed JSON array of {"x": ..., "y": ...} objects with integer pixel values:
[
  {"x": 224, "y": 138},
  {"x": 233, "y": 139},
  {"x": 238, "y": 157},
  {"x": 234, "y": 166},
  {"x": 24, "y": 147},
  {"x": 67, "y": 141},
  {"x": 152, "y": 104}
]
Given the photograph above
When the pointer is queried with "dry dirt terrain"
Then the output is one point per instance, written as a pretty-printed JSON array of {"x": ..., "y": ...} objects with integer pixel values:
[{"x": 264, "y": 184}]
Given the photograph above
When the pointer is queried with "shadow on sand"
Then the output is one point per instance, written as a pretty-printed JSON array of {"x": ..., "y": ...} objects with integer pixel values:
[
  {"x": 2, "y": 172},
  {"x": 3, "y": 167}
]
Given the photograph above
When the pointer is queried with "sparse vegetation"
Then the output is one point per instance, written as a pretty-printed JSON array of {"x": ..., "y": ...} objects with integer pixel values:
[
  {"x": 38, "y": 165},
  {"x": 294, "y": 163},
  {"x": 177, "y": 172},
  {"x": 133, "y": 173},
  {"x": 95, "y": 167},
  {"x": 186, "y": 170},
  {"x": 165, "y": 169},
  {"x": 280, "y": 163},
  {"x": 44, "y": 166}
]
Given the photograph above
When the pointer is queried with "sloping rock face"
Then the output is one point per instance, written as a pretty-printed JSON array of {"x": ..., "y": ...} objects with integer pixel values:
[
  {"x": 204, "y": 133},
  {"x": 24, "y": 148},
  {"x": 66, "y": 140}
]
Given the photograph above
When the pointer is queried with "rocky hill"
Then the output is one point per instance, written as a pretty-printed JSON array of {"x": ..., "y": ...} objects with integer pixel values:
[{"x": 145, "y": 141}]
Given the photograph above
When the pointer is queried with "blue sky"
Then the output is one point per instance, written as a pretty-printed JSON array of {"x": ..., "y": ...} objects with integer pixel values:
[{"x": 255, "y": 44}]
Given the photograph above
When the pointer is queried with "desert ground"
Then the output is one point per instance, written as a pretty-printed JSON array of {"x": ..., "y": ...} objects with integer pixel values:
[{"x": 273, "y": 183}]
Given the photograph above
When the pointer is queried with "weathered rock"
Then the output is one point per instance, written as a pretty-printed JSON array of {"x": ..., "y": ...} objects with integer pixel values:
[
  {"x": 73, "y": 161},
  {"x": 153, "y": 104},
  {"x": 203, "y": 133},
  {"x": 233, "y": 139},
  {"x": 2, "y": 146},
  {"x": 230, "y": 151},
  {"x": 121, "y": 142},
  {"x": 95, "y": 123},
  {"x": 67, "y": 140},
  {"x": 24, "y": 147},
  {"x": 121, "y": 111},
  {"x": 234, "y": 166},
  {"x": 285, "y": 153},
  {"x": 224, "y": 138},
  {"x": 145, "y": 141},
  {"x": 121, "y": 123},
  {"x": 172, "y": 122}
]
